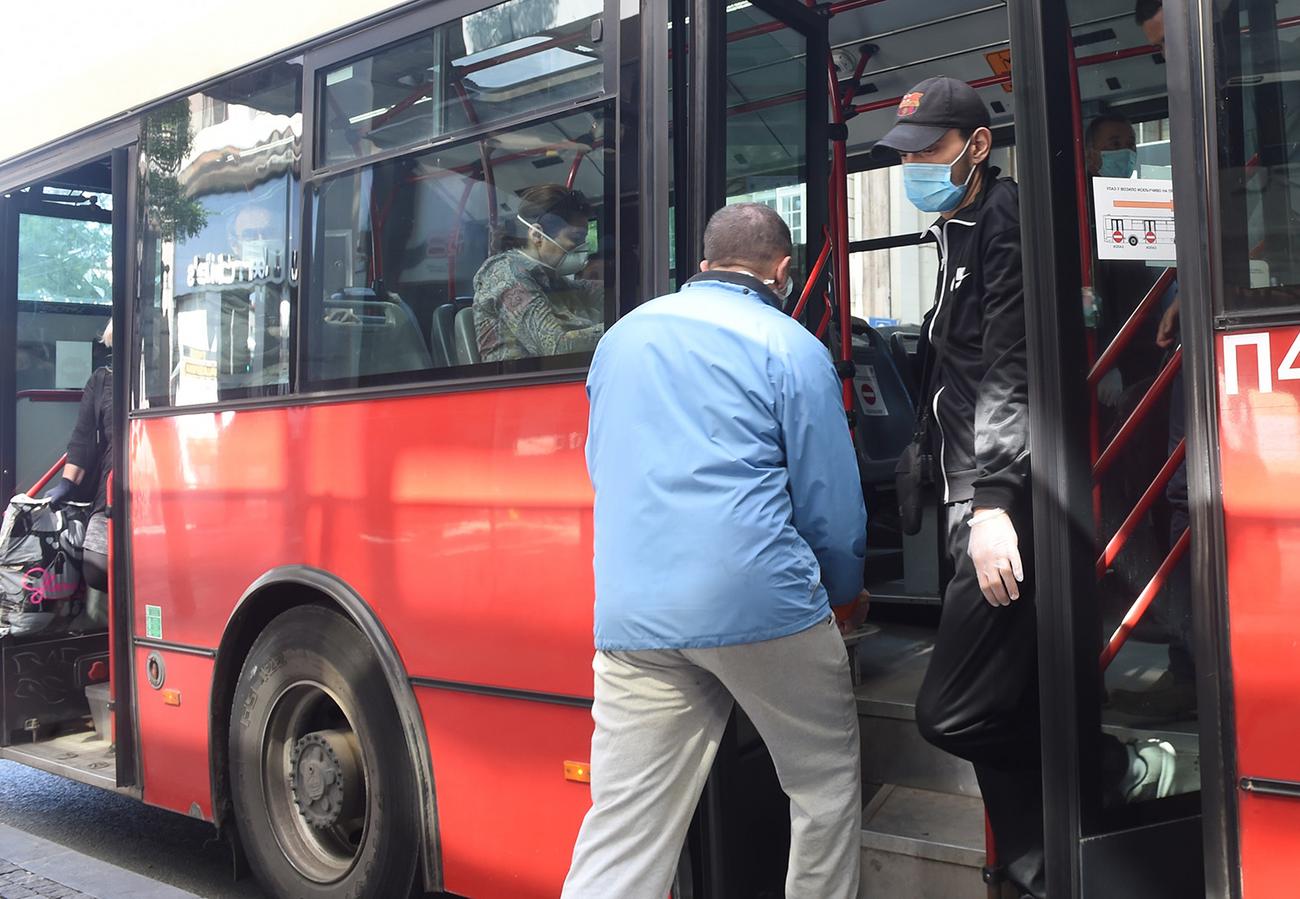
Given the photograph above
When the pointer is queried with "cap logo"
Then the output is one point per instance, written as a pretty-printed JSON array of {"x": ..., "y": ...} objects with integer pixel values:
[{"x": 910, "y": 104}]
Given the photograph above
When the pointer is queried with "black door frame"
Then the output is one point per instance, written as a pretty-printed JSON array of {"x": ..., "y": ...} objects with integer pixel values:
[
  {"x": 1090, "y": 850},
  {"x": 1189, "y": 52},
  {"x": 706, "y": 178},
  {"x": 117, "y": 141}
]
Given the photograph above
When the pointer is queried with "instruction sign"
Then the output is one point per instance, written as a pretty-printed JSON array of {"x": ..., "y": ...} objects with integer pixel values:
[
  {"x": 1135, "y": 219},
  {"x": 873, "y": 402}
]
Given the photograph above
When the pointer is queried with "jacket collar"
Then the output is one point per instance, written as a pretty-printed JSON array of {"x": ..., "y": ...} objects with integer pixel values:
[{"x": 740, "y": 279}]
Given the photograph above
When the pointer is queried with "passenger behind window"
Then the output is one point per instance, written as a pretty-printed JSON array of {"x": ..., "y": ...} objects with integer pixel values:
[{"x": 526, "y": 300}]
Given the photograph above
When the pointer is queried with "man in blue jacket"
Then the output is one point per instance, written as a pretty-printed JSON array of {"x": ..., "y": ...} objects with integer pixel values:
[{"x": 728, "y": 520}]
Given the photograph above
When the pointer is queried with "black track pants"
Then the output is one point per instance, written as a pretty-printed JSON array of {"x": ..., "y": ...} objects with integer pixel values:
[{"x": 979, "y": 700}]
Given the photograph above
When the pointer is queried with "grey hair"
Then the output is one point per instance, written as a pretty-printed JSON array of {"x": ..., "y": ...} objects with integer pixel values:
[
  {"x": 107, "y": 337},
  {"x": 746, "y": 234}
]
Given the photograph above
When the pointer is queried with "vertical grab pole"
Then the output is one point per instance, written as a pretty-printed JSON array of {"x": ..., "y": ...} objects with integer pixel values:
[{"x": 1085, "y": 269}]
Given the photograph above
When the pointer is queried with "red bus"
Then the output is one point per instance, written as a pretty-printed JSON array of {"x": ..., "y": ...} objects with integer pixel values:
[{"x": 350, "y": 607}]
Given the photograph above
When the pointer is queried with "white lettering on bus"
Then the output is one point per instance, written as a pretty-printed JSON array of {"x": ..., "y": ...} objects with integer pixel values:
[
  {"x": 224, "y": 269},
  {"x": 1263, "y": 361}
]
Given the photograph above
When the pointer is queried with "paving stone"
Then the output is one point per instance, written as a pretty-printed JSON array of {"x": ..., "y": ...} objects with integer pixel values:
[{"x": 19, "y": 883}]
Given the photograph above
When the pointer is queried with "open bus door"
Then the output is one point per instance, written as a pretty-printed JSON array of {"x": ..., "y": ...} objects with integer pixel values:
[
  {"x": 1109, "y": 547},
  {"x": 748, "y": 113},
  {"x": 64, "y": 240}
]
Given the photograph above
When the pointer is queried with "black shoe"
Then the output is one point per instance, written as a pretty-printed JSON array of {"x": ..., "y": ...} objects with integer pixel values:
[{"x": 1168, "y": 699}]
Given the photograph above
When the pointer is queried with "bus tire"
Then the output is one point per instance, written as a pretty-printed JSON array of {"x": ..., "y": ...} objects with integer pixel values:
[{"x": 324, "y": 795}]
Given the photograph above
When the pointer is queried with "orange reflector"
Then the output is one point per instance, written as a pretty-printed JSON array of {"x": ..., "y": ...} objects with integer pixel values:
[
  {"x": 171, "y": 697},
  {"x": 578, "y": 772}
]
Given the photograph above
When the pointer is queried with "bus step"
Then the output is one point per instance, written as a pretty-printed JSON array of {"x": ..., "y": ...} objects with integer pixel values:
[
  {"x": 890, "y": 666},
  {"x": 923, "y": 845}
]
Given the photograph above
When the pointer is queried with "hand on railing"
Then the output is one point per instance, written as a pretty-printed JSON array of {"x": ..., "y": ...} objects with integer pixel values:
[{"x": 852, "y": 616}]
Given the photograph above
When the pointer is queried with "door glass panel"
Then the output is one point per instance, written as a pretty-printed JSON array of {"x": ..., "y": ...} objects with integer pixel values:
[
  {"x": 766, "y": 111},
  {"x": 64, "y": 304},
  {"x": 1126, "y": 224}
]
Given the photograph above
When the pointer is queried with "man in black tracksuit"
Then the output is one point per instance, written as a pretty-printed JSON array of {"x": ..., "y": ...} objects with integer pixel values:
[{"x": 979, "y": 699}]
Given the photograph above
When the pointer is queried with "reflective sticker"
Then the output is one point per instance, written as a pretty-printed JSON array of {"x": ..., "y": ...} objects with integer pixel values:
[
  {"x": 873, "y": 403},
  {"x": 153, "y": 622}
]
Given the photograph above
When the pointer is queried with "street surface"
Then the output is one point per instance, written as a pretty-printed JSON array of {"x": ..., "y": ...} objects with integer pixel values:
[{"x": 167, "y": 847}]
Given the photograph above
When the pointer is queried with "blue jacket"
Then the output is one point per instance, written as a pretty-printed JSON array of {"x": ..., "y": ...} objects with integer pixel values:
[{"x": 728, "y": 503}]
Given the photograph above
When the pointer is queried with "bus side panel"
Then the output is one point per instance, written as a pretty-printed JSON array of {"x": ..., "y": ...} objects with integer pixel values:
[
  {"x": 1259, "y": 434},
  {"x": 463, "y": 521},
  {"x": 507, "y": 816},
  {"x": 173, "y": 724}
]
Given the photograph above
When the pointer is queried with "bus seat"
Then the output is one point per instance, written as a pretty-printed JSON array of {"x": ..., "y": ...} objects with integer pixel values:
[
  {"x": 442, "y": 337},
  {"x": 364, "y": 335},
  {"x": 902, "y": 349},
  {"x": 467, "y": 337},
  {"x": 885, "y": 411}
]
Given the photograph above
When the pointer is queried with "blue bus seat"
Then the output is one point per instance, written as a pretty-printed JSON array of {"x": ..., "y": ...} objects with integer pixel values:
[{"x": 885, "y": 412}]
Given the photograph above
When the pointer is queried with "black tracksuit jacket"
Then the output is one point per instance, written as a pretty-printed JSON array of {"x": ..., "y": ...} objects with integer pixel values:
[{"x": 978, "y": 387}]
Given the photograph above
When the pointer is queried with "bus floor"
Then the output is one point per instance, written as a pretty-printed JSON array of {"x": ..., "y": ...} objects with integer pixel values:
[
  {"x": 77, "y": 755},
  {"x": 923, "y": 822}
]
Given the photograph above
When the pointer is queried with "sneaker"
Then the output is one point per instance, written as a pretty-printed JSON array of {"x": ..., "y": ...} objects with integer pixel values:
[
  {"x": 1150, "y": 770},
  {"x": 1167, "y": 699}
]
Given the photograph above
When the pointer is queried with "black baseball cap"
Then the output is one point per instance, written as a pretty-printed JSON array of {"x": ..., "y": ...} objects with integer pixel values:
[{"x": 928, "y": 110}]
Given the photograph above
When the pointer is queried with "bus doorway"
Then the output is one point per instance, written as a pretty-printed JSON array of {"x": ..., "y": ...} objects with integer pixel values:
[
  {"x": 62, "y": 252},
  {"x": 1107, "y": 458}
]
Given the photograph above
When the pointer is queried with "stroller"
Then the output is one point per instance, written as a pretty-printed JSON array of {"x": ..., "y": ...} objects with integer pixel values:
[{"x": 40, "y": 566}]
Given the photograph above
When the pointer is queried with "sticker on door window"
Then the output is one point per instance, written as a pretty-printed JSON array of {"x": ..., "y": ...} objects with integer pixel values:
[{"x": 1135, "y": 219}]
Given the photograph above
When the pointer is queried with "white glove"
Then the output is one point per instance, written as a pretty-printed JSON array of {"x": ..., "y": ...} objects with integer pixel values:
[
  {"x": 995, "y": 550},
  {"x": 1111, "y": 388}
]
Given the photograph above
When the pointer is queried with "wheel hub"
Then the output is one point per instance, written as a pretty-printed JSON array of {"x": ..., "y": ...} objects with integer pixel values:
[{"x": 323, "y": 777}]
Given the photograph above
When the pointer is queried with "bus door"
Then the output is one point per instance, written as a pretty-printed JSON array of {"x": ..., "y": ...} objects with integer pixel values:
[
  {"x": 746, "y": 121},
  {"x": 1237, "y": 185},
  {"x": 1122, "y": 663},
  {"x": 62, "y": 252}
]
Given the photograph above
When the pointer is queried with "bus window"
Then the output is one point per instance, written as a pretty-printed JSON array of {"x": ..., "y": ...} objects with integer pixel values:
[
  {"x": 1258, "y": 61},
  {"x": 431, "y": 262},
  {"x": 219, "y": 268},
  {"x": 499, "y": 63}
]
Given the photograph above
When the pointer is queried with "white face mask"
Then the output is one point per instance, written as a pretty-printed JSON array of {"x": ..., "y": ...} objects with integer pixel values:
[
  {"x": 572, "y": 262},
  {"x": 783, "y": 293}
]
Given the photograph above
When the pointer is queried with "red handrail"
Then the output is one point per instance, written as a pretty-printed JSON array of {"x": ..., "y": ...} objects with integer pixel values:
[
  {"x": 1143, "y": 506},
  {"x": 1144, "y": 600},
  {"x": 813, "y": 275},
  {"x": 1144, "y": 407},
  {"x": 1130, "y": 328},
  {"x": 48, "y": 476}
]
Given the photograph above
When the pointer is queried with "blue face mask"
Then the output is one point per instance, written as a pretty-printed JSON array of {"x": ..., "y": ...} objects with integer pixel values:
[
  {"x": 929, "y": 184},
  {"x": 1118, "y": 163}
]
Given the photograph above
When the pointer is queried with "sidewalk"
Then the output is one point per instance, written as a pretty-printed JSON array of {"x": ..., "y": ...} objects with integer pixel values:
[{"x": 33, "y": 868}]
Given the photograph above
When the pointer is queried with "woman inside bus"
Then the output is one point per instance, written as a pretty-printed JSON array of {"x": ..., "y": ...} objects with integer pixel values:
[
  {"x": 526, "y": 302},
  {"x": 90, "y": 455}
]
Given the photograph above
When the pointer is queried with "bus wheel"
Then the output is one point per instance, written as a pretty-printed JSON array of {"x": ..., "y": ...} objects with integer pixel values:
[{"x": 324, "y": 796}]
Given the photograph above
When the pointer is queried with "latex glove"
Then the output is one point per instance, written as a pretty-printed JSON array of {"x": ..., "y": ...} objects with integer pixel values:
[
  {"x": 60, "y": 491},
  {"x": 1111, "y": 388},
  {"x": 852, "y": 616},
  {"x": 995, "y": 550}
]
